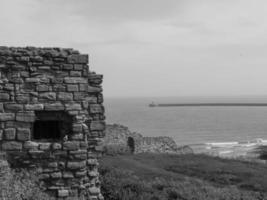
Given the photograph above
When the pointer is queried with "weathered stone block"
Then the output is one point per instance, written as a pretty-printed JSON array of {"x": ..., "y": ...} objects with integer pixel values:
[
  {"x": 37, "y": 154},
  {"x": 10, "y": 133},
  {"x": 16, "y": 80},
  {"x": 24, "y": 74},
  {"x": 68, "y": 175},
  {"x": 33, "y": 94},
  {"x": 44, "y": 67},
  {"x": 92, "y": 89},
  {"x": 54, "y": 106},
  {"x": 76, "y": 152},
  {"x": 54, "y": 188},
  {"x": 56, "y": 175},
  {"x": 75, "y": 73},
  {"x": 59, "y": 88},
  {"x": 44, "y": 176},
  {"x": 77, "y": 128},
  {"x": 13, "y": 107},
  {"x": 45, "y": 80},
  {"x": 96, "y": 108},
  {"x": 29, "y": 145},
  {"x": 73, "y": 106},
  {"x": 25, "y": 117},
  {"x": 4, "y": 96},
  {"x": 52, "y": 165},
  {"x": 22, "y": 98},
  {"x": 100, "y": 98},
  {"x": 56, "y": 146},
  {"x": 36, "y": 58},
  {"x": 79, "y": 67},
  {"x": 9, "y": 87},
  {"x": 7, "y": 116},
  {"x": 44, "y": 146},
  {"x": 81, "y": 173},
  {"x": 84, "y": 145},
  {"x": 79, "y": 154},
  {"x": 77, "y": 136},
  {"x": 42, "y": 88},
  {"x": 48, "y": 96},
  {"x": 63, "y": 193},
  {"x": 67, "y": 66},
  {"x": 74, "y": 80},
  {"x": 65, "y": 96},
  {"x": 1, "y": 135},
  {"x": 83, "y": 59},
  {"x": 93, "y": 173},
  {"x": 95, "y": 79},
  {"x": 47, "y": 170},
  {"x": 71, "y": 145},
  {"x": 76, "y": 165},
  {"x": 23, "y": 134},
  {"x": 12, "y": 145},
  {"x": 57, "y": 80},
  {"x": 34, "y": 106},
  {"x": 72, "y": 88},
  {"x": 73, "y": 112},
  {"x": 79, "y": 96},
  {"x": 60, "y": 154},
  {"x": 32, "y": 80},
  {"x": 91, "y": 99},
  {"x": 83, "y": 87},
  {"x": 94, "y": 190}
]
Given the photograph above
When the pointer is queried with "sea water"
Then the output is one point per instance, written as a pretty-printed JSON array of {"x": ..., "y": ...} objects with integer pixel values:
[{"x": 190, "y": 125}]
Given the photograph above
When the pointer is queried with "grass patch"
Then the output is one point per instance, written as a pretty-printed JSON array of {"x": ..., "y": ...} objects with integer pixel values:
[{"x": 165, "y": 176}]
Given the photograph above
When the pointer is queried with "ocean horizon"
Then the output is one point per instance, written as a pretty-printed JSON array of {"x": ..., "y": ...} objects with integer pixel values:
[{"x": 191, "y": 125}]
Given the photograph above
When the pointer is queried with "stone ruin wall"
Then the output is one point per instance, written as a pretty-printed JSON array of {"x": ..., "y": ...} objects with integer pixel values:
[
  {"x": 36, "y": 81},
  {"x": 118, "y": 136}
]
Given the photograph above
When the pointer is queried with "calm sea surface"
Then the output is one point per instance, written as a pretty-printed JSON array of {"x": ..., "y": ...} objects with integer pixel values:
[{"x": 190, "y": 125}]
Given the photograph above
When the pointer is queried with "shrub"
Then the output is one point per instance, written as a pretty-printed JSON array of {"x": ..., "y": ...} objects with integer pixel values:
[{"x": 20, "y": 184}]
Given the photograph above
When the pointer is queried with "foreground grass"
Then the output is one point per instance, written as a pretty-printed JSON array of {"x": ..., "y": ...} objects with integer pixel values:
[
  {"x": 21, "y": 185},
  {"x": 191, "y": 177}
]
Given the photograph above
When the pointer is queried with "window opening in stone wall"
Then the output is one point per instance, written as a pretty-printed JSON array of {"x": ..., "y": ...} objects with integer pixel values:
[{"x": 51, "y": 125}]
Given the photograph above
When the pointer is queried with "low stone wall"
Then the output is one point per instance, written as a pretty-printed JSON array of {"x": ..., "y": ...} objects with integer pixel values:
[
  {"x": 121, "y": 137},
  {"x": 157, "y": 144}
]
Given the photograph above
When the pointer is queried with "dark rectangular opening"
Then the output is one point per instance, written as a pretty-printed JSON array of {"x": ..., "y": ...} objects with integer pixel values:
[
  {"x": 51, "y": 125},
  {"x": 46, "y": 130}
]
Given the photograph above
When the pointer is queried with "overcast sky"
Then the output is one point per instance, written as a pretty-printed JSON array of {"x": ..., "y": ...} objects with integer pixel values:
[{"x": 152, "y": 47}]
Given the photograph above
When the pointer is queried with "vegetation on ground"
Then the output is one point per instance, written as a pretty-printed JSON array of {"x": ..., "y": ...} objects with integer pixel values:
[
  {"x": 21, "y": 184},
  {"x": 157, "y": 177},
  {"x": 185, "y": 177}
]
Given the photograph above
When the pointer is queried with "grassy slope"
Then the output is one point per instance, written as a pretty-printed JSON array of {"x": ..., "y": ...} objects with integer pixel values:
[{"x": 193, "y": 172}]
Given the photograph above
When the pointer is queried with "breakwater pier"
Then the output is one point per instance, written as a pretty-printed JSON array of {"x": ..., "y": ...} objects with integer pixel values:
[{"x": 206, "y": 104}]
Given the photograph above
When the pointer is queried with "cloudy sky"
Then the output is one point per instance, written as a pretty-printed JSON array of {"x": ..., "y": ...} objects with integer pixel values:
[{"x": 152, "y": 47}]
